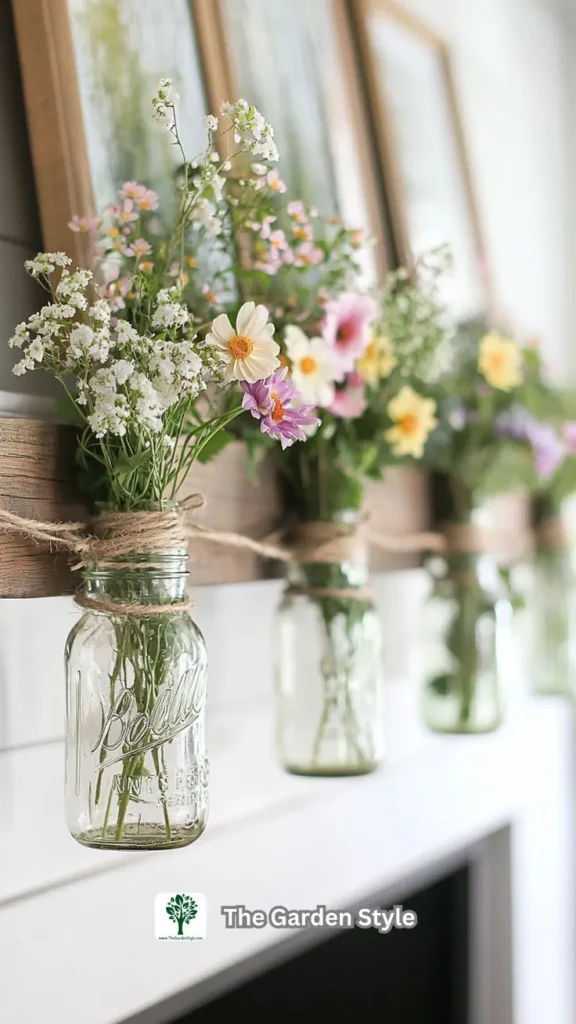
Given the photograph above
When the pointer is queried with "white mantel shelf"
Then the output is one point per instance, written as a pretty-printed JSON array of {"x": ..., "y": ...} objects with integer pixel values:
[{"x": 272, "y": 839}]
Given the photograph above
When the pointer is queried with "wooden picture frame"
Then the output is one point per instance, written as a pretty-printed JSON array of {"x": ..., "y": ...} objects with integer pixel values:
[
  {"x": 324, "y": 27},
  {"x": 399, "y": 52},
  {"x": 63, "y": 104}
]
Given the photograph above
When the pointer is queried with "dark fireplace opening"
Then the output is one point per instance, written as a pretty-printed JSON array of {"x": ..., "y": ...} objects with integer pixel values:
[{"x": 406, "y": 976}]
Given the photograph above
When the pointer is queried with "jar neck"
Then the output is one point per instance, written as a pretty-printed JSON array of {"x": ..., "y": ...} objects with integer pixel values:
[
  {"x": 333, "y": 575},
  {"x": 330, "y": 553},
  {"x": 145, "y": 577}
]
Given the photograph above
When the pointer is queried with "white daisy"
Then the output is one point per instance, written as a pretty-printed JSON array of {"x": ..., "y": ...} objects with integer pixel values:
[
  {"x": 313, "y": 369},
  {"x": 248, "y": 351}
]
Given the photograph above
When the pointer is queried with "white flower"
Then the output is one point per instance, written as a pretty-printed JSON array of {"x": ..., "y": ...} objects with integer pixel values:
[
  {"x": 170, "y": 314},
  {"x": 36, "y": 350},
  {"x": 21, "y": 335},
  {"x": 46, "y": 263},
  {"x": 204, "y": 213},
  {"x": 249, "y": 351},
  {"x": 122, "y": 370},
  {"x": 100, "y": 311},
  {"x": 227, "y": 109},
  {"x": 313, "y": 369},
  {"x": 211, "y": 123}
]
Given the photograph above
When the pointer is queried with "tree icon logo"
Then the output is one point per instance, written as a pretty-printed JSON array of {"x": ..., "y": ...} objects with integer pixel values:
[{"x": 182, "y": 910}]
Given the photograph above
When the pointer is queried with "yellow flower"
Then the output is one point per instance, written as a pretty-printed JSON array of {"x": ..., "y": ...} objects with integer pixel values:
[
  {"x": 414, "y": 419},
  {"x": 378, "y": 360},
  {"x": 500, "y": 361}
]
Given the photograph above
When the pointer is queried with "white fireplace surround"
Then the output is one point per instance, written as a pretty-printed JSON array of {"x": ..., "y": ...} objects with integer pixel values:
[{"x": 76, "y": 926}]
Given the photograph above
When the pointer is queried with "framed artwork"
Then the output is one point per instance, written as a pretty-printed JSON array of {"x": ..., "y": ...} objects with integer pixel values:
[
  {"x": 89, "y": 70},
  {"x": 421, "y": 147},
  {"x": 295, "y": 60}
]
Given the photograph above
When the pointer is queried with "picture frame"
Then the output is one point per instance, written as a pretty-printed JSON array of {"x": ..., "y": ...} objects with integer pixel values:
[
  {"x": 89, "y": 69},
  {"x": 421, "y": 148},
  {"x": 297, "y": 63}
]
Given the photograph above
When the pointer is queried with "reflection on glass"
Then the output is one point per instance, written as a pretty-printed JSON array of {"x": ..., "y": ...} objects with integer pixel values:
[
  {"x": 436, "y": 207},
  {"x": 286, "y": 60},
  {"x": 122, "y": 49}
]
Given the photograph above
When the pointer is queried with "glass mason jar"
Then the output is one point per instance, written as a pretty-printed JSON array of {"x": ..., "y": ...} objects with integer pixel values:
[
  {"x": 468, "y": 626},
  {"x": 136, "y": 767},
  {"x": 553, "y": 618},
  {"x": 329, "y": 716}
]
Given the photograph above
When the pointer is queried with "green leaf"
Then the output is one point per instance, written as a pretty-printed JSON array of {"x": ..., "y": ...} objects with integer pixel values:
[{"x": 215, "y": 445}]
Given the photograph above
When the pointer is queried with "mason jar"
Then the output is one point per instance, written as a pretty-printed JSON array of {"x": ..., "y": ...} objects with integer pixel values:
[
  {"x": 136, "y": 766},
  {"x": 468, "y": 630},
  {"x": 553, "y": 618},
  {"x": 329, "y": 699}
]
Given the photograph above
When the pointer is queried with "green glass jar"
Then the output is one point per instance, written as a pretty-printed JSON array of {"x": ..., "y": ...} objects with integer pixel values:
[
  {"x": 553, "y": 618},
  {"x": 469, "y": 626},
  {"x": 329, "y": 684}
]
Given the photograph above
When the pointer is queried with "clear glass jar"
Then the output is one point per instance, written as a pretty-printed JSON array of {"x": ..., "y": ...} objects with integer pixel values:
[
  {"x": 553, "y": 621},
  {"x": 136, "y": 767},
  {"x": 468, "y": 633},
  {"x": 329, "y": 714}
]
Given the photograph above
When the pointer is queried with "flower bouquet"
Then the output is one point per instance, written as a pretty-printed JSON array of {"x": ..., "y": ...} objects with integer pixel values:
[
  {"x": 355, "y": 366},
  {"x": 147, "y": 380},
  {"x": 495, "y": 434}
]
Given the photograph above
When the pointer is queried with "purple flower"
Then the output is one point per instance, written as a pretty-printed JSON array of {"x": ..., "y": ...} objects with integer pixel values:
[
  {"x": 275, "y": 402},
  {"x": 548, "y": 448}
]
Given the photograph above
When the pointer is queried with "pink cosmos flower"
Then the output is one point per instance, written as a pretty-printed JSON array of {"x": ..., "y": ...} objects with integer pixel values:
[
  {"x": 350, "y": 401},
  {"x": 278, "y": 240},
  {"x": 139, "y": 247},
  {"x": 346, "y": 327},
  {"x": 272, "y": 402},
  {"x": 266, "y": 230},
  {"x": 83, "y": 224},
  {"x": 297, "y": 211},
  {"x": 274, "y": 181},
  {"x": 308, "y": 255},
  {"x": 144, "y": 198}
]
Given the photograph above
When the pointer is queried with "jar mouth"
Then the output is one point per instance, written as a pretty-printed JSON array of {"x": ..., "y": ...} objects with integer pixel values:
[
  {"x": 169, "y": 562},
  {"x": 166, "y": 505}
]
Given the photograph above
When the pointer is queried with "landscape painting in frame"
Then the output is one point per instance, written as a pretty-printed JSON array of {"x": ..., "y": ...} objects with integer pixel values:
[
  {"x": 421, "y": 147},
  {"x": 90, "y": 68},
  {"x": 295, "y": 60}
]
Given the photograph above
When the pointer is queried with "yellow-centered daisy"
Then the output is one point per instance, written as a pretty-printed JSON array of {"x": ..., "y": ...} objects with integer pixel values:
[
  {"x": 248, "y": 350},
  {"x": 500, "y": 361},
  {"x": 413, "y": 419},
  {"x": 378, "y": 360}
]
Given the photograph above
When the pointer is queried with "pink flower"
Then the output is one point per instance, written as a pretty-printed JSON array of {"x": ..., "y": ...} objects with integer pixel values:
[
  {"x": 274, "y": 181},
  {"x": 308, "y": 255},
  {"x": 266, "y": 230},
  {"x": 139, "y": 247},
  {"x": 144, "y": 198},
  {"x": 297, "y": 211},
  {"x": 82, "y": 224},
  {"x": 350, "y": 401},
  {"x": 303, "y": 232},
  {"x": 346, "y": 327},
  {"x": 278, "y": 240},
  {"x": 271, "y": 402},
  {"x": 127, "y": 213}
]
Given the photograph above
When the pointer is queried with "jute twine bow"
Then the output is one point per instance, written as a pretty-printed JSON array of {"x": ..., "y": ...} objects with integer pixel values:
[{"x": 111, "y": 535}]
